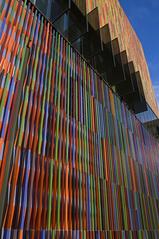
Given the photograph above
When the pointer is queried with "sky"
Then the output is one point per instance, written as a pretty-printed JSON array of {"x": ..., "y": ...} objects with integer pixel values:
[{"x": 144, "y": 17}]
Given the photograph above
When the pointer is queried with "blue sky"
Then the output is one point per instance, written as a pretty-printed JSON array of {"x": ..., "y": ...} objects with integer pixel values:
[{"x": 144, "y": 16}]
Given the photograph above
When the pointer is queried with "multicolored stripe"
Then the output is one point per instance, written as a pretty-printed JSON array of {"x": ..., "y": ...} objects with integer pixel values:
[{"x": 75, "y": 163}]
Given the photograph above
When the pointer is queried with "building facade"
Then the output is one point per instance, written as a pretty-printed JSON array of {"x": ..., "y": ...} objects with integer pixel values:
[
  {"x": 74, "y": 161},
  {"x": 111, "y": 12},
  {"x": 115, "y": 52}
]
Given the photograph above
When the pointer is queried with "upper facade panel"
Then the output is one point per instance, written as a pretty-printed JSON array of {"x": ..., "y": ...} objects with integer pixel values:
[{"x": 111, "y": 12}]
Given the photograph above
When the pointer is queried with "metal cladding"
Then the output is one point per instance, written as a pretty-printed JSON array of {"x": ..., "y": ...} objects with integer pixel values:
[
  {"x": 74, "y": 161},
  {"x": 110, "y": 12}
]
